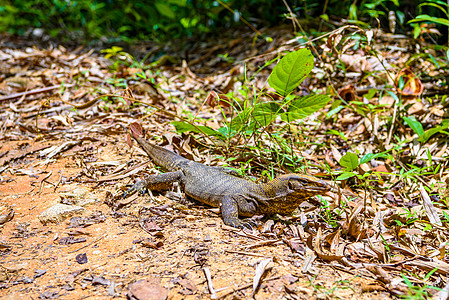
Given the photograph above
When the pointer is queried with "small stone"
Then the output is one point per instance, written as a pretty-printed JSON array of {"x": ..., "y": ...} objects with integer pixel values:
[
  {"x": 80, "y": 196},
  {"x": 58, "y": 213},
  {"x": 99, "y": 280},
  {"x": 81, "y": 258},
  {"x": 37, "y": 32}
]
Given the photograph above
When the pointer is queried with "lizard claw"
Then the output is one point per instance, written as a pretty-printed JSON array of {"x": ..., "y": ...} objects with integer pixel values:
[
  {"x": 242, "y": 224},
  {"x": 139, "y": 186},
  {"x": 249, "y": 223}
]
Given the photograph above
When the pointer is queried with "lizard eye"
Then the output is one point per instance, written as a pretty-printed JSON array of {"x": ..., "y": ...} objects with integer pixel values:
[{"x": 294, "y": 184}]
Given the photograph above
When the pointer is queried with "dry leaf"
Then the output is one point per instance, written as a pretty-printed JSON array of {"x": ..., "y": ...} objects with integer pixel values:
[{"x": 412, "y": 86}]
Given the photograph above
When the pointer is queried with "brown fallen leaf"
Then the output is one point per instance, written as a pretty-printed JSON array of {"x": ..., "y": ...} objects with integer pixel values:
[
  {"x": 408, "y": 84},
  {"x": 260, "y": 270},
  {"x": 348, "y": 93},
  {"x": 429, "y": 207},
  {"x": 6, "y": 213},
  {"x": 214, "y": 99},
  {"x": 189, "y": 287}
]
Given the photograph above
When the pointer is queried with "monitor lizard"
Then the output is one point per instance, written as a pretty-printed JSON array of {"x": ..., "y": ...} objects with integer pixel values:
[{"x": 220, "y": 187}]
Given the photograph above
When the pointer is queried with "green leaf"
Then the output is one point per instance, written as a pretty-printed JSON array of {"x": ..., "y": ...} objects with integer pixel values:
[
  {"x": 181, "y": 3},
  {"x": 430, "y": 19},
  {"x": 345, "y": 175},
  {"x": 435, "y": 5},
  {"x": 444, "y": 125},
  {"x": 265, "y": 113},
  {"x": 415, "y": 125},
  {"x": 241, "y": 120},
  {"x": 304, "y": 106},
  {"x": 353, "y": 12},
  {"x": 291, "y": 71},
  {"x": 182, "y": 127},
  {"x": 350, "y": 161},
  {"x": 164, "y": 9},
  {"x": 334, "y": 111},
  {"x": 369, "y": 156}
]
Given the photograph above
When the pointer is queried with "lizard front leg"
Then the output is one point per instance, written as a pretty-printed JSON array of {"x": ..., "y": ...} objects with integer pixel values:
[
  {"x": 156, "y": 182},
  {"x": 230, "y": 213}
]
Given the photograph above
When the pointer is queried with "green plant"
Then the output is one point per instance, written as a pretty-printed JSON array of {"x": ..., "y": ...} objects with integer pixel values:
[
  {"x": 350, "y": 162},
  {"x": 419, "y": 292},
  {"x": 440, "y": 5},
  {"x": 424, "y": 136},
  {"x": 252, "y": 117}
]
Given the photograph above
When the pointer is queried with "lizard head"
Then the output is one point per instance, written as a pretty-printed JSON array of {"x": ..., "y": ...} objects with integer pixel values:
[
  {"x": 304, "y": 186},
  {"x": 286, "y": 192}
]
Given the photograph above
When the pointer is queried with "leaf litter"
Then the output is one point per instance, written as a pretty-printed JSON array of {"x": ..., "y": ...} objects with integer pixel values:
[{"x": 64, "y": 116}]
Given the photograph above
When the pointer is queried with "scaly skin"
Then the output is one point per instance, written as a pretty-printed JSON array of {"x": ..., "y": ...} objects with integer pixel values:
[{"x": 217, "y": 187}]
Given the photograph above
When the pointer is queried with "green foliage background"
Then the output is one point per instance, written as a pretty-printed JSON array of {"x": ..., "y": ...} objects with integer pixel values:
[{"x": 166, "y": 19}]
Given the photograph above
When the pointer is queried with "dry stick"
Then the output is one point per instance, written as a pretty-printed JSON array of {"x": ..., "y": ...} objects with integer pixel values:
[
  {"x": 213, "y": 295},
  {"x": 42, "y": 182},
  {"x": 94, "y": 241},
  {"x": 59, "y": 181},
  {"x": 247, "y": 253},
  {"x": 392, "y": 123},
  {"x": 248, "y": 285},
  {"x": 36, "y": 91},
  {"x": 23, "y": 155},
  {"x": 292, "y": 16},
  {"x": 262, "y": 243}
]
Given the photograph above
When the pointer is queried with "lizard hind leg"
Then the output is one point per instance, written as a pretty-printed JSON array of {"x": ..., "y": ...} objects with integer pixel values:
[{"x": 156, "y": 183}]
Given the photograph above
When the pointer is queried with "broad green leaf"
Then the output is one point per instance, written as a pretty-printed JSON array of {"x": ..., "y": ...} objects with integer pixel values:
[
  {"x": 178, "y": 2},
  {"x": 394, "y": 96},
  {"x": 182, "y": 127},
  {"x": 291, "y": 71},
  {"x": 369, "y": 156},
  {"x": 430, "y": 19},
  {"x": 441, "y": 128},
  {"x": 345, "y": 175},
  {"x": 164, "y": 9},
  {"x": 265, "y": 113},
  {"x": 353, "y": 12},
  {"x": 240, "y": 120},
  {"x": 334, "y": 111},
  {"x": 415, "y": 125},
  {"x": 350, "y": 161},
  {"x": 304, "y": 106},
  {"x": 435, "y": 4}
]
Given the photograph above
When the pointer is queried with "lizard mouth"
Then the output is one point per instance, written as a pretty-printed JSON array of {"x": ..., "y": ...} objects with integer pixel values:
[{"x": 319, "y": 189}]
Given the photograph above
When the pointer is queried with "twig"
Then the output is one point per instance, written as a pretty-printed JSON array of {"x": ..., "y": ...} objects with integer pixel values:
[
  {"x": 59, "y": 181},
  {"x": 392, "y": 123},
  {"x": 248, "y": 285},
  {"x": 22, "y": 155},
  {"x": 263, "y": 243},
  {"x": 36, "y": 91},
  {"x": 213, "y": 295},
  {"x": 93, "y": 242},
  {"x": 42, "y": 182},
  {"x": 246, "y": 253}
]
